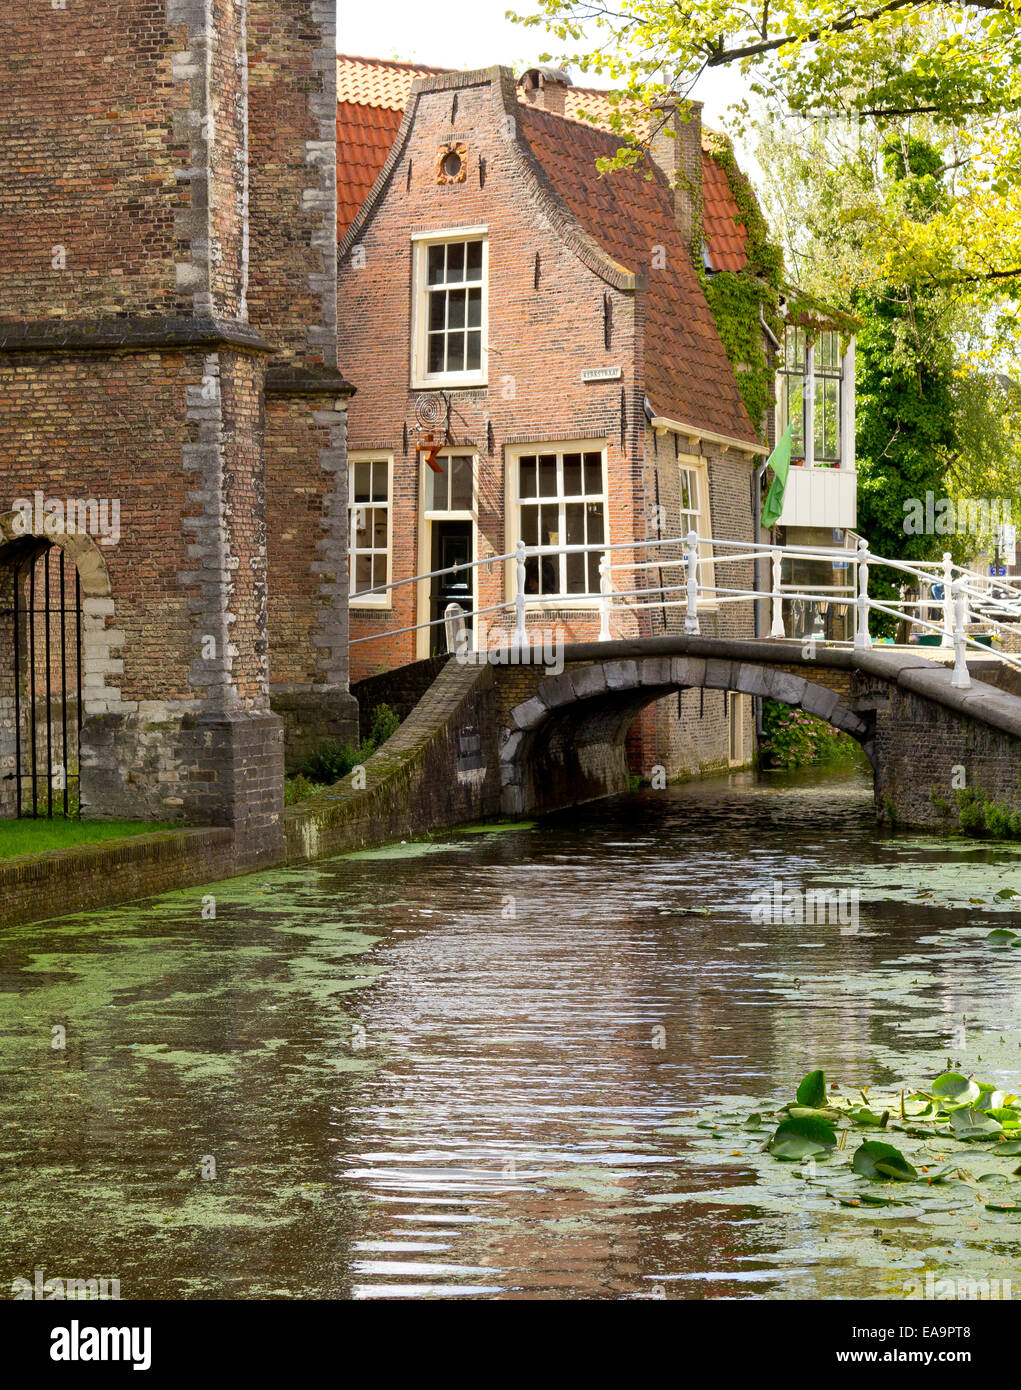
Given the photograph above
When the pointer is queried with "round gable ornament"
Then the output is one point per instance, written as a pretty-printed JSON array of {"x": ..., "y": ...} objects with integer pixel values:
[{"x": 452, "y": 163}]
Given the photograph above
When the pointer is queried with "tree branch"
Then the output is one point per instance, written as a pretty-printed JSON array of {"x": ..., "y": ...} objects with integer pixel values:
[{"x": 721, "y": 55}]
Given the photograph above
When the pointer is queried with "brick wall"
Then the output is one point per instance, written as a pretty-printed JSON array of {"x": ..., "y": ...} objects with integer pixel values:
[
  {"x": 88, "y": 158},
  {"x": 292, "y": 298}
]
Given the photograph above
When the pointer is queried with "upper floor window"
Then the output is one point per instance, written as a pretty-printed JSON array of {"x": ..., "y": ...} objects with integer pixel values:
[
  {"x": 562, "y": 501},
  {"x": 449, "y": 333},
  {"x": 791, "y": 391},
  {"x": 369, "y": 483},
  {"x": 810, "y": 388},
  {"x": 828, "y": 374}
]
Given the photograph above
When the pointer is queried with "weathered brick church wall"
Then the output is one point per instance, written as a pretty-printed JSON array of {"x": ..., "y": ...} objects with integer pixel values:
[
  {"x": 88, "y": 160},
  {"x": 129, "y": 370},
  {"x": 293, "y": 302}
]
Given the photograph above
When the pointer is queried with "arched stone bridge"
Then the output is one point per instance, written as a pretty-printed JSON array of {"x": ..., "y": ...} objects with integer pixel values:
[
  {"x": 561, "y": 738},
  {"x": 480, "y": 740}
]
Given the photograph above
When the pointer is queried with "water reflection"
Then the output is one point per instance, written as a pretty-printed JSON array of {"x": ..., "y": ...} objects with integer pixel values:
[{"x": 447, "y": 1070}]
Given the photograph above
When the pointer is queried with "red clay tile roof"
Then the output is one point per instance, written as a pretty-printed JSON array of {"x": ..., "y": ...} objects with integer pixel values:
[
  {"x": 364, "y": 136},
  {"x": 381, "y": 82},
  {"x": 687, "y": 374},
  {"x": 382, "y": 85},
  {"x": 721, "y": 221}
]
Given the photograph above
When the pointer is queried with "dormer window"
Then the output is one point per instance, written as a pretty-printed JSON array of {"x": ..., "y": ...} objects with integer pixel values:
[{"x": 449, "y": 346}]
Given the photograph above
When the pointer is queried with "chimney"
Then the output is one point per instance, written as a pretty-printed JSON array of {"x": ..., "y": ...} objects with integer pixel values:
[
  {"x": 546, "y": 88},
  {"x": 676, "y": 150}
]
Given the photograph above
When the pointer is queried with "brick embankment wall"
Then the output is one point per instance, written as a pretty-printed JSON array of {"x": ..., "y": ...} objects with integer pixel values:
[
  {"x": 439, "y": 769},
  {"x": 928, "y": 753},
  {"x": 38, "y": 886},
  {"x": 401, "y": 689}
]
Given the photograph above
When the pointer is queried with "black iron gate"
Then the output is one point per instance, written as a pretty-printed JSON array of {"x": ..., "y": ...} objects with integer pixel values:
[{"x": 44, "y": 612}]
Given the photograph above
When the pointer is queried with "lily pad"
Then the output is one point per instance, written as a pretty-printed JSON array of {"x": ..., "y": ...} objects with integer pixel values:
[
  {"x": 862, "y": 1115},
  {"x": 956, "y": 1088},
  {"x": 802, "y": 1137},
  {"x": 969, "y": 1123},
  {"x": 812, "y": 1091},
  {"x": 878, "y": 1161},
  {"x": 795, "y": 1146}
]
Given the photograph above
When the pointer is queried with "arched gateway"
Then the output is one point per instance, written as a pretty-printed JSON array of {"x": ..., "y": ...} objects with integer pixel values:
[{"x": 56, "y": 653}]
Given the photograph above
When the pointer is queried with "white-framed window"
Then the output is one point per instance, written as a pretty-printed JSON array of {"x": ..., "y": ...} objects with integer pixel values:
[
  {"x": 827, "y": 370},
  {"x": 450, "y": 297},
  {"x": 694, "y": 515},
  {"x": 560, "y": 499},
  {"x": 449, "y": 487},
  {"x": 691, "y": 501},
  {"x": 370, "y": 496},
  {"x": 791, "y": 391},
  {"x": 810, "y": 396}
]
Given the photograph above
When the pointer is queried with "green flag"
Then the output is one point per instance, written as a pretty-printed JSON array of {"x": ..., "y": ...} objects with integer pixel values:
[{"x": 780, "y": 462}]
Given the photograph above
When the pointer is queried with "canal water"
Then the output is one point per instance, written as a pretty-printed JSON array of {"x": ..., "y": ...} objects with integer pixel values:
[{"x": 463, "y": 1068}]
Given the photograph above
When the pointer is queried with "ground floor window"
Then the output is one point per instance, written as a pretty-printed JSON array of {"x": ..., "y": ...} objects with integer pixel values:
[
  {"x": 694, "y": 515},
  {"x": 690, "y": 509},
  {"x": 820, "y": 617},
  {"x": 369, "y": 479},
  {"x": 562, "y": 501}
]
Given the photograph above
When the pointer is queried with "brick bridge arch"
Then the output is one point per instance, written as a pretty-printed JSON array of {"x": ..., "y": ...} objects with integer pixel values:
[
  {"x": 485, "y": 733},
  {"x": 566, "y": 741},
  {"x": 559, "y": 738}
]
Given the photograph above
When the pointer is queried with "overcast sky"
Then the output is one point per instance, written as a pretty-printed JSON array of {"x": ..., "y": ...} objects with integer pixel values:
[{"x": 472, "y": 33}]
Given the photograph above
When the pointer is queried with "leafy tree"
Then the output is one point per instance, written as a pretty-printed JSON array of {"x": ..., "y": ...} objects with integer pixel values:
[
  {"x": 906, "y": 435},
  {"x": 932, "y": 365},
  {"x": 956, "y": 63}
]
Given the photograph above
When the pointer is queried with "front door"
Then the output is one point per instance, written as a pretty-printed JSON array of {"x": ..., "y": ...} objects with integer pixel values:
[{"x": 451, "y": 545}]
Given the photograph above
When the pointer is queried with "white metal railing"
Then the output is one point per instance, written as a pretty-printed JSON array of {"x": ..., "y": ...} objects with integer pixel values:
[{"x": 949, "y": 589}]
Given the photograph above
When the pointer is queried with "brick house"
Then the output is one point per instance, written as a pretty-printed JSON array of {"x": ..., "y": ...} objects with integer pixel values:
[{"x": 545, "y": 328}]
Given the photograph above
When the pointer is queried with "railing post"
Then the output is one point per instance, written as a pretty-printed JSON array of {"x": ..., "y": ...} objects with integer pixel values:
[
  {"x": 457, "y": 634},
  {"x": 948, "y": 601},
  {"x": 960, "y": 679},
  {"x": 777, "y": 630},
  {"x": 691, "y": 560},
  {"x": 519, "y": 599},
  {"x": 862, "y": 637},
  {"x": 604, "y": 598}
]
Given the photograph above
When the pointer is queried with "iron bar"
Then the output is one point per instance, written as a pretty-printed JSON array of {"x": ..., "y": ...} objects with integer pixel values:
[
  {"x": 49, "y": 687},
  {"x": 63, "y": 682},
  {"x": 31, "y": 679}
]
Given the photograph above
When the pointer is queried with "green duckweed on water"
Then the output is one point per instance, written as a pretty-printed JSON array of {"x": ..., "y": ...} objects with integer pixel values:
[{"x": 356, "y": 1063}]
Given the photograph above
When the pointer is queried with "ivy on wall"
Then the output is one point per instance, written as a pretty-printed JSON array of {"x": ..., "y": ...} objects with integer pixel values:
[{"x": 737, "y": 298}]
